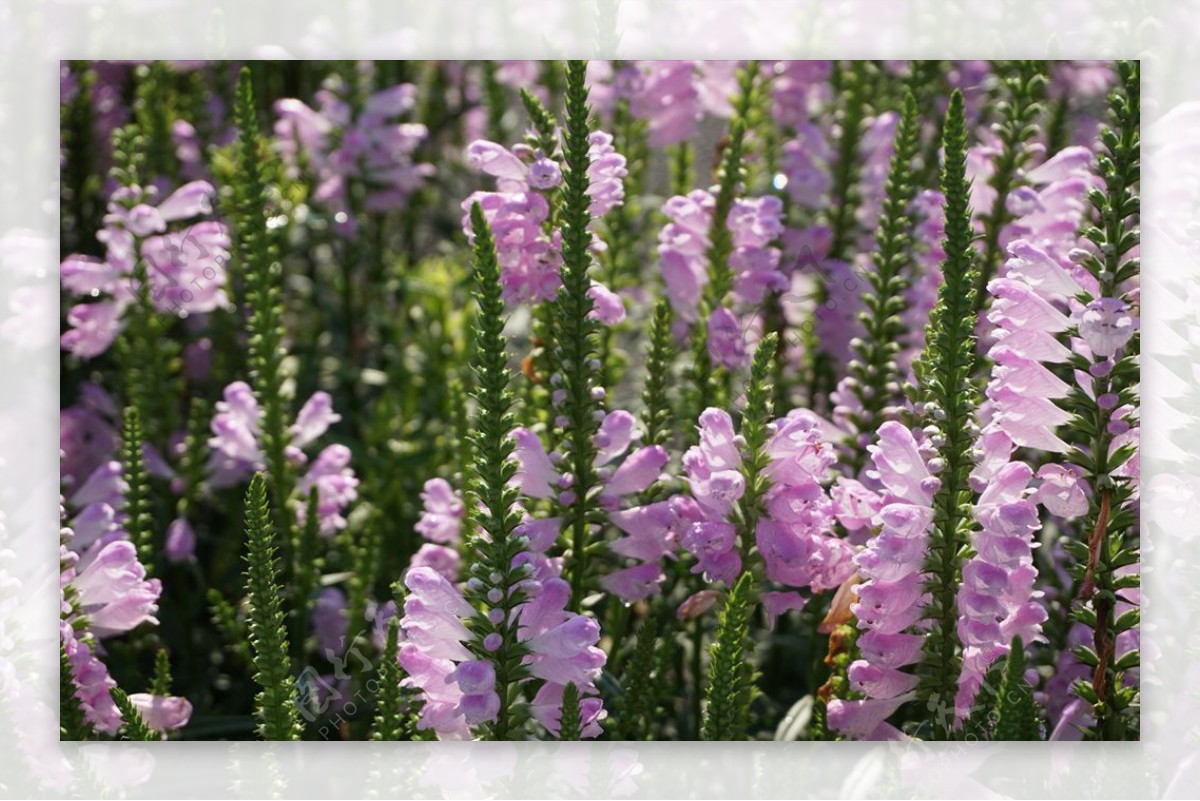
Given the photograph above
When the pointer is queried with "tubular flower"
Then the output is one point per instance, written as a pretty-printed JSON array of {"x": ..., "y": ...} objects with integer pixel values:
[
  {"x": 683, "y": 258},
  {"x": 433, "y": 649},
  {"x": 442, "y": 518},
  {"x": 647, "y": 530},
  {"x": 372, "y": 147},
  {"x": 892, "y": 595},
  {"x": 996, "y": 600},
  {"x": 185, "y": 268},
  {"x": 236, "y": 451},
  {"x": 562, "y": 649},
  {"x": 530, "y": 259}
]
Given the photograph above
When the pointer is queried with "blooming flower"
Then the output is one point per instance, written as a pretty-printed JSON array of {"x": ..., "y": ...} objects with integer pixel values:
[
  {"x": 892, "y": 594},
  {"x": 441, "y": 520},
  {"x": 996, "y": 600},
  {"x": 372, "y": 147},
  {"x": 185, "y": 268},
  {"x": 647, "y": 529}
]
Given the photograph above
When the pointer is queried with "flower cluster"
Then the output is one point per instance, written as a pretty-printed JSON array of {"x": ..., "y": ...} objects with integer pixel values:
[
  {"x": 343, "y": 143},
  {"x": 237, "y": 452},
  {"x": 892, "y": 593},
  {"x": 648, "y": 530},
  {"x": 185, "y": 267}
]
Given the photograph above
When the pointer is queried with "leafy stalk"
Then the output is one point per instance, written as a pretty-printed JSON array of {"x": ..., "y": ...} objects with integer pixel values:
[
  {"x": 658, "y": 411},
  {"x": 577, "y": 334},
  {"x": 731, "y": 677},
  {"x": 754, "y": 428},
  {"x": 263, "y": 275},
  {"x": 390, "y": 716},
  {"x": 638, "y": 682},
  {"x": 1017, "y": 716},
  {"x": 545, "y": 128},
  {"x": 569, "y": 725},
  {"x": 275, "y": 704},
  {"x": 1111, "y": 523},
  {"x": 140, "y": 524},
  {"x": 1025, "y": 85},
  {"x": 491, "y": 499},
  {"x": 949, "y": 398},
  {"x": 162, "y": 674},
  {"x": 876, "y": 377}
]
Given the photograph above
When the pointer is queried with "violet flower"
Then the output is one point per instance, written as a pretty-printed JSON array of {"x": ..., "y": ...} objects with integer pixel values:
[{"x": 892, "y": 595}]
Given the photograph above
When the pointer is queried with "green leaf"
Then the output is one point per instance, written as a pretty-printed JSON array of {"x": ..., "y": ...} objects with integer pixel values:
[
  {"x": 275, "y": 704},
  {"x": 390, "y": 716},
  {"x": 949, "y": 397},
  {"x": 1017, "y": 715},
  {"x": 140, "y": 523},
  {"x": 132, "y": 725},
  {"x": 730, "y": 677}
]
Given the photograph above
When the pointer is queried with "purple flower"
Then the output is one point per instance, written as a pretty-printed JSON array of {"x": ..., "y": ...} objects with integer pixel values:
[
  {"x": 777, "y": 603},
  {"x": 606, "y": 173},
  {"x": 996, "y": 600},
  {"x": 437, "y": 557},
  {"x": 93, "y": 685},
  {"x": 314, "y": 419},
  {"x": 85, "y": 440},
  {"x": 433, "y": 646},
  {"x": 336, "y": 487},
  {"x": 796, "y": 87},
  {"x": 1063, "y": 490},
  {"x": 112, "y": 590},
  {"x": 608, "y": 306},
  {"x": 854, "y": 505},
  {"x": 726, "y": 340},
  {"x": 104, "y": 485},
  {"x": 495, "y": 160},
  {"x": 562, "y": 649},
  {"x": 235, "y": 427},
  {"x": 682, "y": 248},
  {"x": 544, "y": 173},
  {"x": 441, "y": 519},
  {"x": 94, "y": 327},
  {"x": 162, "y": 713},
  {"x": 1106, "y": 325},
  {"x": 892, "y": 595},
  {"x": 374, "y": 149},
  {"x": 665, "y": 94},
  {"x": 329, "y": 620},
  {"x": 180, "y": 545},
  {"x": 537, "y": 477},
  {"x": 529, "y": 260}
]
